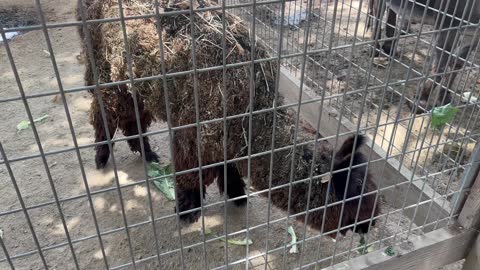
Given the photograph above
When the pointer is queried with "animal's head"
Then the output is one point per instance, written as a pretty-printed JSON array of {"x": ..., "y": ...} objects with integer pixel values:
[{"x": 354, "y": 184}]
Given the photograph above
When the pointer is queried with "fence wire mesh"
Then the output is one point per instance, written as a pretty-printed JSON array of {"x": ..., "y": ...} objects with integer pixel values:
[{"x": 262, "y": 97}]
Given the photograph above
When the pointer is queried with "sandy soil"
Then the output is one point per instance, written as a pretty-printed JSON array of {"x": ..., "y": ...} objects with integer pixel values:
[{"x": 37, "y": 77}]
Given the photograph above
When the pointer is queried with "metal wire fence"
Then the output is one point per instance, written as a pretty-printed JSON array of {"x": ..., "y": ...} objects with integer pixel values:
[{"x": 312, "y": 65}]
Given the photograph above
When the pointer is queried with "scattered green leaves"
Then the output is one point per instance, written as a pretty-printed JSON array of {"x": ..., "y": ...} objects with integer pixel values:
[
  {"x": 23, "y": 125},
  {"x": 389, "y": 251},
  {"x": 26, "y": 124},
  {"x": 164, "y": 184},
  {"x": 364, "y": 249},
  {"x": 40, "y": 118},
  {"x": 442, "y": 115},
  {"x": 294, "y": 248},
  {"x": 243, "y": 242},
  {"x": 235, "y": 242}
]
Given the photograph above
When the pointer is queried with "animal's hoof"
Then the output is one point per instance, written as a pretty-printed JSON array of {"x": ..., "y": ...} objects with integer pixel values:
[
  {"x": 420, "y": 107},
  {"x": 364, "y": 228},
  {"x": 375, "y": 52},
  {"x": 189, "y": 199},
  {"x": 240, "y": 202},
  {"x": 190, "y": 218},
  {"x": 101, "y": 161},
  {"x": 152, "y": 157},
  {"x": 390, "y": 50}
]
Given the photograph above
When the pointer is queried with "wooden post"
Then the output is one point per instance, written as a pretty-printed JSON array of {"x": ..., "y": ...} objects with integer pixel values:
[
  {"x": 470, "y": 215},
  {"x": 473, "y": 259},
  {"x": 470, "y": 219}
]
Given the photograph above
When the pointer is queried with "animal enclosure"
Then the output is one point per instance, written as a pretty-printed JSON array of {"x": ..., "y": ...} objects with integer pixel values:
[{"x": 307, "y": 134}]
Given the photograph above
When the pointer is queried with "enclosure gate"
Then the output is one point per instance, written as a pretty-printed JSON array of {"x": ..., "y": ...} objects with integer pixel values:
[{"x": 312, "y": 75}]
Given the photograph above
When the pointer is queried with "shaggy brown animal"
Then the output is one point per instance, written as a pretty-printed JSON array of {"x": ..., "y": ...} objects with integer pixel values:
[
  {"x": 211, "y": 90},
  {"x": 118, "y": 101}
]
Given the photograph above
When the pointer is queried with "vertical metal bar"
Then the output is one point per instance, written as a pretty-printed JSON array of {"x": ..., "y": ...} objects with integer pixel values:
[
  {"x": 225, "y": 131},
  {"x": 467, "y": 180},
  {"x": 472, "y": 170},
  {"x": 340, "y": 22},
  {"x": 353, "y": 150},
  {"x": 98, "y": 95},
  {"x": 459, "y": 157},
  {"x": 272, "y": 147},
  {"x": 297, "y": 122},
  {"x": 359, "y": 123},
  {"x": 37, "y": 138},
  {"x": 436, "y": 96},
  {"x": 369, "y": 159},
  {"x": 398, "y": 113},
  {"x": 171, "y": 134},
  {"x": 350, "y": 167},
  {"x": 457, "y": 204},
  {"x": 453, "y": 46},
  {"x": 418, "y": 157},
  {"x": 74, "y": 139},
  {"x": 439, "y": 137},
  {"x": 305, "y": 49},
  {"x": 375, "y": 132},
  {"x": 416, "y": 164},
  {"x": 17, "y": 189},
  {"x": 289, "y": 44},
  {"x": 139, "y": 127},
  {"x": 329, "y": 56},
  {"x": 397, "y": 35},
  {"x": 253, "y": 49},
  {"x": 198, "y": 126},
  {"x": 5, "y": 252}
]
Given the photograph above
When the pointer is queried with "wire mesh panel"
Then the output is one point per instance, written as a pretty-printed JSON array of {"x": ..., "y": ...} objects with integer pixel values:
[{"x": 330, "y": 128}]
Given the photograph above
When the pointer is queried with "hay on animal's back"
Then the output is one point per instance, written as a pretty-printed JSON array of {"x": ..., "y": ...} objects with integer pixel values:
[
  {"x": 174, "y": 36},
  {"x": 144, "y": 47}
]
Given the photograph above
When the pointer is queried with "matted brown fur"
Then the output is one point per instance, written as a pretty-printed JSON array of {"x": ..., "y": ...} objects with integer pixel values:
[{"x": 211, "y": 88}]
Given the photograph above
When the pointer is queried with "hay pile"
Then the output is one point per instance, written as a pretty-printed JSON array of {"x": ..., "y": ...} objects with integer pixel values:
[{"x": 143, "y": 43}]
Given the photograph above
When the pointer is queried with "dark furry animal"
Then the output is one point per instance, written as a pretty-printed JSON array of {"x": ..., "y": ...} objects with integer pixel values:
[
  {"x": 442, "y": 14},
  {"x": 118, "y": 102},
  {"x": 205, "y": 142}
]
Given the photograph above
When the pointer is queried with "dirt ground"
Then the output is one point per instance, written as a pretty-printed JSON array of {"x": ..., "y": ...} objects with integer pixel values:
[{"x": 37, "y": 77}]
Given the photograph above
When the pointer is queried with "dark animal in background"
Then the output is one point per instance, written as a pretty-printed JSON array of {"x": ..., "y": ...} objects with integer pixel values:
[
  {"x": 442, "y": 14},
  {"x": 205, "y": 142}
]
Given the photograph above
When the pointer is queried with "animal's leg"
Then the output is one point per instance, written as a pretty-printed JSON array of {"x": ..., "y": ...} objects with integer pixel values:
[
  {"x": 189, "y": 193},
  {"x": 235, "y": 183},
  {"x": 128, "y": 123},
  {"x": 189, "y": 198},
  {"x": 102, "y": 152},
  {"x": 378, "y": 12},
  {"x": 389, "y": 46},
  {"x": 428, "y": 98},
  {"x": 456, "y": 64},
  {"x": 188, "y": 185}
]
